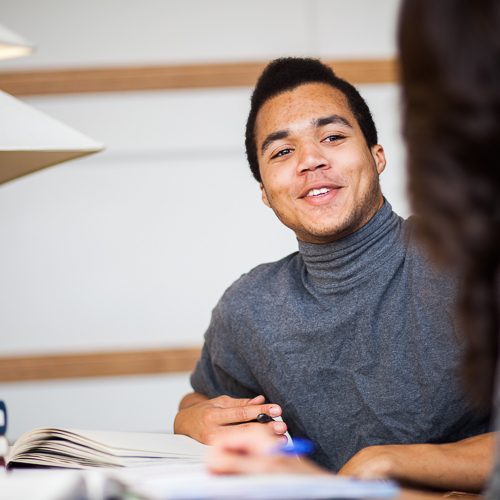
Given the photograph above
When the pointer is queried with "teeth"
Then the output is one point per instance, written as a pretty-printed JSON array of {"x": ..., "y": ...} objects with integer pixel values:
[{"x": 317, "y": 192}]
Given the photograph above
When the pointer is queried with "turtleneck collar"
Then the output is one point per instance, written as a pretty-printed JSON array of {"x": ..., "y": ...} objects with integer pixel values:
[{"x": 340, "y": 262}]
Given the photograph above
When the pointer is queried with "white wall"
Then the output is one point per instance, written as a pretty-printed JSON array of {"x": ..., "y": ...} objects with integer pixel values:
[
  {"x": 131, "y": 248},
  {"x": 72, "y": 33}
]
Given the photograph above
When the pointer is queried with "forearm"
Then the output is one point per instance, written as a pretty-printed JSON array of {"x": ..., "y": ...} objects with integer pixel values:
[{"x": 464, "y": 465}]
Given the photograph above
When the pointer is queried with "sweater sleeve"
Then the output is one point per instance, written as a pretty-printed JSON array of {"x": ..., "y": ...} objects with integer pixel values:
[{"x": 221, "y": 368}]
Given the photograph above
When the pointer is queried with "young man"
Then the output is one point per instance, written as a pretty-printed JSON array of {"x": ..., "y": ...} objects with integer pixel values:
[{"x": 352, "y": 339}]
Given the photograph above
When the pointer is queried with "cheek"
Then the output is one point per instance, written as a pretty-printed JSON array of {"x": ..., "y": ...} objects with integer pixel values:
[
  {"x": 359, "y": 169},
  {"x": 367, "y": 181},
  {"x": 277, "y": 182}
]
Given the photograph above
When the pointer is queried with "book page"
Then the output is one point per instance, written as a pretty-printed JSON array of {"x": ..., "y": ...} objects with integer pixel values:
[{"x": 171, "y": 444}]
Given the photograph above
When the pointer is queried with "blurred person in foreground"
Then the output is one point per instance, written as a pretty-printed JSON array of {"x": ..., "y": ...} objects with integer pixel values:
[{"x": 450, "y": 58}]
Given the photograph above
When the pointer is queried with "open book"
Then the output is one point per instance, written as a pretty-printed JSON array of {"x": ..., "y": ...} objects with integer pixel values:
[{"x": 79, "y": 449}]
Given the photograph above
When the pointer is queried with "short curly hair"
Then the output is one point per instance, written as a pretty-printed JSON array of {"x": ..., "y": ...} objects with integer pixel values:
[{"x": 286, "y": 74}]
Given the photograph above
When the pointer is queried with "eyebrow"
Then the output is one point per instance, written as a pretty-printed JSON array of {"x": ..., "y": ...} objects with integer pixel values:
[
  {"x": 275, "y": 136},
  {"x": 317, "y": 123},
  {"x": 329, "y": 120}
]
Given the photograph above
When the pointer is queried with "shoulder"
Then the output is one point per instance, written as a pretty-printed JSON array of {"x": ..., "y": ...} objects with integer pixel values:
[{"x": 262, "y": 282}]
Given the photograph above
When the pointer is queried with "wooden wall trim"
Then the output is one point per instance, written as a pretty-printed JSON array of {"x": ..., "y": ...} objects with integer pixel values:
[
  {"x": 72, "y": 81},
  {"x": 105, "y": 364}
]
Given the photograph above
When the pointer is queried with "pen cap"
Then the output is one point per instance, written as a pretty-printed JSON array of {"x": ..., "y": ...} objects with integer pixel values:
[{"x": 3, "y": 418}]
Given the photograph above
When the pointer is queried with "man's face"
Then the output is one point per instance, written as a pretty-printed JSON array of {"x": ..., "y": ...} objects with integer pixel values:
[{"x": 318, "y": 174}]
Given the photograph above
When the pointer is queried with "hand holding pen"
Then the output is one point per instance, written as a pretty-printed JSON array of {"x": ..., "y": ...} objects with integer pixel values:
[
  {"x": 206, "y": 419},
  {"x": 259, "y": 451}
]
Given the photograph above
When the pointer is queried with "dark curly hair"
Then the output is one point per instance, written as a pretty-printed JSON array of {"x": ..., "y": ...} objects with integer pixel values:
[
  {"x": 450, "y": 62},
  {"x": 288, "y": 73}
]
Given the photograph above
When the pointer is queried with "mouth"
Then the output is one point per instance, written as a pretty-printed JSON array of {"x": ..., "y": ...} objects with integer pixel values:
[
  {"x": 319, "y": 189},
  {"x": 318, "y": 192}
]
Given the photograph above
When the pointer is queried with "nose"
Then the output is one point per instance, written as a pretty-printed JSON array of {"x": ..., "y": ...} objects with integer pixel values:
[{"x": 310, "y": 157}]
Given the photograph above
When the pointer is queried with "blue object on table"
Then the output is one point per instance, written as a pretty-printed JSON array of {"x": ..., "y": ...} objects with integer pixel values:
[{"x": 3, "y": 418}]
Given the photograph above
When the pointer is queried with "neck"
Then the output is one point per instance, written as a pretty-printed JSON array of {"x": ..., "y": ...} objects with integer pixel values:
[{"x": 338, "y": 262}]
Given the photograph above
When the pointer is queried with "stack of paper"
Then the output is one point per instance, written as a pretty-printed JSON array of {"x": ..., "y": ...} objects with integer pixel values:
[
  {"x": 187, "y": 482},
  {"x": 190, "y": 482},
  {"x": 43, "y": 485}
]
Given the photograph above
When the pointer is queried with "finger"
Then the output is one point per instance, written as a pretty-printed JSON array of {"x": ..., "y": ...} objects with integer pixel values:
[
  {"x": 277, "y": 427},
  {"x": 229, "y": 402},
  {"x": 224, "y": 462},
  {"x": 221, "y": 462},
  {"x": 257, "y": 400},
  {"x": 239, "y": 414},
  {"x": 273, "y": 410},
  {"x": 246, "y": 439}
]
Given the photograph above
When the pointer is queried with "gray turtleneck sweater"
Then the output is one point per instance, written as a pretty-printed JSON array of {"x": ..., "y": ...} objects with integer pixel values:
[{"x": 356, "y": 340}]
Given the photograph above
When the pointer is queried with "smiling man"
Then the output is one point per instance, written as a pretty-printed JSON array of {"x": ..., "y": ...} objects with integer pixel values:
[{"x": 351, "y": 339}]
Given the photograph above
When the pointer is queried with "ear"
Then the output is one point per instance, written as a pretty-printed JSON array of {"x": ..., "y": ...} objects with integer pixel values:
[
  {"x": 378, "y": 154},
  {"x": 264, "y": 195}
]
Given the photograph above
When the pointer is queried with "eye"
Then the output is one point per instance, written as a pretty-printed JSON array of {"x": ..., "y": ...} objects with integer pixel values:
[
  {"x": 333, "y": 138},
  {"x": 281, "y": 152}
]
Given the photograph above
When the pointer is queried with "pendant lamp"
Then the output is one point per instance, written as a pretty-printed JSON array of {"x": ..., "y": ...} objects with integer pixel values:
[
  {"x": 30, "y": 140},
  {"x": 13, "y": 45}
]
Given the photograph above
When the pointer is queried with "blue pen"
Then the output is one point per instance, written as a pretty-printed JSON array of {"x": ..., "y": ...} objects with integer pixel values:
[{"x": 300, "y": 446}]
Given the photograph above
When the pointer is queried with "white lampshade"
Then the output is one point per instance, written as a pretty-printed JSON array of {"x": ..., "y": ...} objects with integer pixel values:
[
  {"x": 13, "y": 45},
  {"x": 31, "y": 140}
]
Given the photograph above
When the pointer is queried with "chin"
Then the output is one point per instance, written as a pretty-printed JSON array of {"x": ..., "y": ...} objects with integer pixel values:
[{"x": 326, "y": 234}]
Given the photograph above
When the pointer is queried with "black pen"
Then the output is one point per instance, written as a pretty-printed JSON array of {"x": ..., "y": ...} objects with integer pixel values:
[{"x": 264, "y": 418}]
